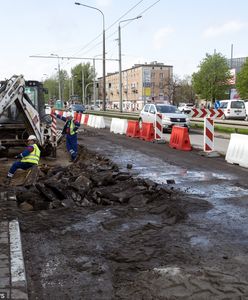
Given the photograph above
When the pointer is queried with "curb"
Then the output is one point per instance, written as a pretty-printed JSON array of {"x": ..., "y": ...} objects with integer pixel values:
[{"x": 17, "y": 268}]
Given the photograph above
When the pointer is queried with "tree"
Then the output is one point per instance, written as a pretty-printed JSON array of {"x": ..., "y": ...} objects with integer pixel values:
[
  {"x": 88, "y": 75},
  {"x": 52, "y": 85},
  {"x": 242, "y": 81},
  {"x": 211, "y": 81},
  {"x": 184, "y": 91}
]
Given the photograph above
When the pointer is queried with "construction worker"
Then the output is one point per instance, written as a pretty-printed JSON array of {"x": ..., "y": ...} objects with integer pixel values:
[
  {"x": 70, "y": 130},
  {"x": 29, "y": 158}
]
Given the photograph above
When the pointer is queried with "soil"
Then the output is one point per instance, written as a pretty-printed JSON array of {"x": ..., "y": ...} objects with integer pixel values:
[{"x": 98, "y": 229}]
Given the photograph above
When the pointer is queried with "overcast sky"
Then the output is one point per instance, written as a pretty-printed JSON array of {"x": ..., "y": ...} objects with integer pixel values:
[{"x": 177, "y": 33}]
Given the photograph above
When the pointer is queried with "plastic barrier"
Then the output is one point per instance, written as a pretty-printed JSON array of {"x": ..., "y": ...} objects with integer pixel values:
[
  {"x": 75, "y": 116},
  {"x": 79, "y": 117},
  {"x": 118, "y": 126},
  {"x": 100, "y": 123},
  {"x": 237, "y": 151},
  {"x": 90, "y": 121},
  {"x": 147, "y": 132},
  {"x": 180, "y": 138},
  {"x": 86, "y": 118},
  {"x": 82, "y": 118},
  {"x": 133, "y": 129}
]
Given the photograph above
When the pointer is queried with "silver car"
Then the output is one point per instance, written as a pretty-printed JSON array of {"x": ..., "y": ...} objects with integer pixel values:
[{"x": 170, "y": 116}]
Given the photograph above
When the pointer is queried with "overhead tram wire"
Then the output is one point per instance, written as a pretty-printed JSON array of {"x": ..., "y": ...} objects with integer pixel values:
[
  {"x": 133, "y": 7},
  {"x": 109, "y": 36}
]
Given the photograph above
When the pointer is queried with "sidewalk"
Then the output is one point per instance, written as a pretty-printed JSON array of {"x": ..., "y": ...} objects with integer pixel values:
[{"x": 12, "y": 271}]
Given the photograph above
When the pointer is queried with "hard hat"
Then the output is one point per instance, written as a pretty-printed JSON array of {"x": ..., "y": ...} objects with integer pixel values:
[{"x": 32, "y": 138}]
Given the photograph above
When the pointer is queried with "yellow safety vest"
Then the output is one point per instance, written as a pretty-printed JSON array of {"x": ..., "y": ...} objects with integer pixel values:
[
  {"x": 72, "y": 126},
  {"x": 33, "y": 157}
]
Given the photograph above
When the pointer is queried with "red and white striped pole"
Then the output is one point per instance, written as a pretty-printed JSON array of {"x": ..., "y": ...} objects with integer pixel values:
[
  {"x": 54, "y": 128},
  {"x": 208, "y": 135},
  {"x": 159, "y": 128}
]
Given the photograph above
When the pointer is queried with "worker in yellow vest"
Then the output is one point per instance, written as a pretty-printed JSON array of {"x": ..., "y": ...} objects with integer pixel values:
[{"x": 29, "y": 158}]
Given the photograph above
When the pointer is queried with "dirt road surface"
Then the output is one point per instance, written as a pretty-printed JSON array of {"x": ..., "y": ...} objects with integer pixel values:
[{"x": 133, "y": 220}]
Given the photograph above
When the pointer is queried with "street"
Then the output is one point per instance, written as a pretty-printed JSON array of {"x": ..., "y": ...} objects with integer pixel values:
[{"x": 175, "y": 229}]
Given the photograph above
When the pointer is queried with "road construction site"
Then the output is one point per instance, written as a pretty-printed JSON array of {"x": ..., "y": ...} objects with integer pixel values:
[{"x": 131, "y": 220}]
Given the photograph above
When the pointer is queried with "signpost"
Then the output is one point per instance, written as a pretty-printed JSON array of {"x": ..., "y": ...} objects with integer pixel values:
[{"x": 209, "y": 115}]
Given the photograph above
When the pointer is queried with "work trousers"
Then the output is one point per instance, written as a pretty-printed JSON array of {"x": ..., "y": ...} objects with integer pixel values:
[
  {"x": 19, "y": 165},
  {"x": 71, "y": 145}
]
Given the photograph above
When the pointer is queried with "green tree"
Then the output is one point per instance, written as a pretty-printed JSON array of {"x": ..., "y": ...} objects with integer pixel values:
[
  {"x": 242, "y": 81},
  {"x": 211, "y": 81},
  {"x": 79, "y": 72}
]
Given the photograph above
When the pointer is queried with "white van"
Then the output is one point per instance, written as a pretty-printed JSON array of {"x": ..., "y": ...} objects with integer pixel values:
[
  {"x": 233, "y": 109},
  {"x": 246, "y": 108}
]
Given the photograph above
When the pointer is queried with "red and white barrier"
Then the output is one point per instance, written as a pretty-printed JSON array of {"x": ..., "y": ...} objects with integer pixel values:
[
  {"x": 54, "y": 128},
  {"x": 208, "y": 135},
  {"x": 159, "y": 128}
]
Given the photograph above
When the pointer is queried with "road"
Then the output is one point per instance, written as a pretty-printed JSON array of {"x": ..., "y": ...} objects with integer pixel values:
[{"x": 182, "y": 237}]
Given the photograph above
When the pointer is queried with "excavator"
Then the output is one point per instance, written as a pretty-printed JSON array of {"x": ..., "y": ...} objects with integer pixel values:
[{"x": 22, "y": 113}]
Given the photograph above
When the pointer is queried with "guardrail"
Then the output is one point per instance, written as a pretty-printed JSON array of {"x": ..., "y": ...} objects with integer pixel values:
[{"x": 134, "y": 116}]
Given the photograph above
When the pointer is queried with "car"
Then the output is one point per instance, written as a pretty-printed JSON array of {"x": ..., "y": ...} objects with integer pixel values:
[
  {"x": 95, "y": 107},
  {"x": 233, "y": 109},
  {"x": 170, "y": 116},
  {"x": 186, "y": 107},
  {"x": 77, "y": 108},
  {"x": 246, "y": 108}
]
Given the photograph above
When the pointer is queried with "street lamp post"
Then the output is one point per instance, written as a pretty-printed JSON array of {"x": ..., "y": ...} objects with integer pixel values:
[
  {"x": 120, "y": 68},
  {"x": 60, "y": 97},
  {"x": 86, "y": 89},
  {"x": 103, "y": 54}
]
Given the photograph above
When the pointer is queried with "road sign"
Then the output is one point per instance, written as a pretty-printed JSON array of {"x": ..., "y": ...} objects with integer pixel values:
[{"x": 204, "y": 112}]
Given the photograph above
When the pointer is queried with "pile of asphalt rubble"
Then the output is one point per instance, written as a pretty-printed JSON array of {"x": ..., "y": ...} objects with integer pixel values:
[{"x": 96, "y": 181}]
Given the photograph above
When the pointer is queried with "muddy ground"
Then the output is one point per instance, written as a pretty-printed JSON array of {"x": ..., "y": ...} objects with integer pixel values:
[{"x": 101, "y": 229}]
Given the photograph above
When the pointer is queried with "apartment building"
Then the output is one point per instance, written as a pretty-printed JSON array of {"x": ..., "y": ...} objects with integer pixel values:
[{"x": 140, "y": 84}]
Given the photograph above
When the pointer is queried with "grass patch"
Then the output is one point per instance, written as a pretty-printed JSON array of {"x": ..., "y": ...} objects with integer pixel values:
[{"x": 219, "y": 128}]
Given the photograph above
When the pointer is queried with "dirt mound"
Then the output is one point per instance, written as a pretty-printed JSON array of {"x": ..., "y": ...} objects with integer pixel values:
[{"x": 96, "y": 181}]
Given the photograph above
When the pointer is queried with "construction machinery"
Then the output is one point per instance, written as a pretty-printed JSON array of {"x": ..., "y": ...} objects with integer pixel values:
[{"x": 22, "y": 113}]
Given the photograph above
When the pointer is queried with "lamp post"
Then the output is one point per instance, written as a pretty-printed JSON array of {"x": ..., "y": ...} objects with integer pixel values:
[
  {"x": 86, "y": 88},
  {"x": 120, "y": 70},
  {"x": 60, "y": 97},
  {"x": 103, "y": 54}
]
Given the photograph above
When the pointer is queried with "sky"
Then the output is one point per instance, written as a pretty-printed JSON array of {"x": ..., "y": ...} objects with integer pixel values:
[{"x": 177, "y": 33}]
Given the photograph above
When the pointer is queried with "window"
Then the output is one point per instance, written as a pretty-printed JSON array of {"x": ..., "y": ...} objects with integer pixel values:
[
  {"x": 223, "y": 104},
  {"x": 161, "y": 75},
  {"x": 152, "y": 109},
  {"x": 146, "y": 108},
  {"x": 237, "y": 104}
]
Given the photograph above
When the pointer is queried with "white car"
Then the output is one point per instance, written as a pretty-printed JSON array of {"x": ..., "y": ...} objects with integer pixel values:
[
  {"x": 186, "y": 107},
  {"x": 233, "y": 109},
  {"x": 170, "y": 116}
]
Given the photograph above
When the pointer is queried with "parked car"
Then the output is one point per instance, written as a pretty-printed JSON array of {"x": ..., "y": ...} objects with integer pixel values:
[
  {"x": 233, "y": 109},
  {"x": 246, "y": 108},
  {"x": 95, "y": 107},
  {"x": 186, "y": 107},
  {"x": 170, "y": 116},
  {"x": 77, "y": 108}
]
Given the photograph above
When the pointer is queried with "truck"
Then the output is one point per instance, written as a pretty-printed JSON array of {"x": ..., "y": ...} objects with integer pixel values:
[{"x": 22, "y": 113}]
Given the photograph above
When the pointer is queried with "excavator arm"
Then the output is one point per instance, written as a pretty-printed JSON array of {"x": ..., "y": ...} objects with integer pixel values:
[{"x": 13, "y": 91}]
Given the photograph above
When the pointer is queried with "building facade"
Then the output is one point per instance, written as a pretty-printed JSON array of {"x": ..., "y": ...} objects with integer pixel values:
[{"x": 140, "y": 84}]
